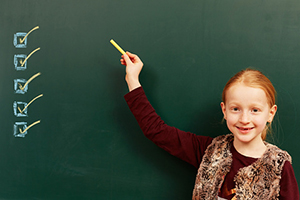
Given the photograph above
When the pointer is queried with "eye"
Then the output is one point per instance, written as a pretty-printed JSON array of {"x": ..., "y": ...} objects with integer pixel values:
[
  {"x": 255, "y": 110},
  {"x": 235, "y": 109}
]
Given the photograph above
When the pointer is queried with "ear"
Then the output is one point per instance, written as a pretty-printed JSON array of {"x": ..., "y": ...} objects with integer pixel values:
[
  {"x": 223, "y": 109},
  {"x": 272, "y": 113}
]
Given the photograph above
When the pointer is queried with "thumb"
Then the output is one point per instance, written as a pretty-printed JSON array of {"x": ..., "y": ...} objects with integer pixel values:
[{"x": 126, "y": 58}]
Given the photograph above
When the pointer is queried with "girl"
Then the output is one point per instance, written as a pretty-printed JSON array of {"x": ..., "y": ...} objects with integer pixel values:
[{"x": 240, "y": 165}]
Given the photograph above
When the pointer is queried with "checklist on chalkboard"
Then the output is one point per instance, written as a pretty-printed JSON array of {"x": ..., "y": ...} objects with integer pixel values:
[{"x": 21, "y": 85}]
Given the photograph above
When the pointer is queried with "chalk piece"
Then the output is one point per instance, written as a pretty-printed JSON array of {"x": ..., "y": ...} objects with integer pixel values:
[{"x": 117, "y": 46}]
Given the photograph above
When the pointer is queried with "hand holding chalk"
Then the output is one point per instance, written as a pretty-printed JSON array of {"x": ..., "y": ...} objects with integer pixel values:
[{"x": 134, "y": 66}]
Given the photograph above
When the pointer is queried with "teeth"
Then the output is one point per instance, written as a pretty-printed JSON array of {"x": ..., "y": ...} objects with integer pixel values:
[{"x": 245, "y": 129}]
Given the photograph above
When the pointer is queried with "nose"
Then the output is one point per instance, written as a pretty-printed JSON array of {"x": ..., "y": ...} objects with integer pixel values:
[{"x": 244, "y": 118}]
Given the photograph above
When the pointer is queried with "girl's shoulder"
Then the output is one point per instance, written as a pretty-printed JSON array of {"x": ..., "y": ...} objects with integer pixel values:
[{"x": 275, "y": 153}]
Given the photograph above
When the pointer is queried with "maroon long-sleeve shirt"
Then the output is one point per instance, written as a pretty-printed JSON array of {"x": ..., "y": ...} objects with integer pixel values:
[{"x": 191, "y": 147}]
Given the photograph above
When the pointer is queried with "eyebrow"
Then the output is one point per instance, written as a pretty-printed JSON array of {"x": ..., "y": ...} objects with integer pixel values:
[{"x": 251, "y": 105}]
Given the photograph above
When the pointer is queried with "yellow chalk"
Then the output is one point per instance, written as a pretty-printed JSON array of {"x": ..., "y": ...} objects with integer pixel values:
[{"x": 117, "y": 46}]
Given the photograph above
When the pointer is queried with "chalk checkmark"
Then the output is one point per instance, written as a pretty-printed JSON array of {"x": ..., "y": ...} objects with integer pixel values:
[
  {"x": 33, "y": 77},
  {"x": 24, "y": 38},
  {"x": 28, "y": 127},
  {"x": 27, "y": 57},
  {"x": 21, "y": 111}
]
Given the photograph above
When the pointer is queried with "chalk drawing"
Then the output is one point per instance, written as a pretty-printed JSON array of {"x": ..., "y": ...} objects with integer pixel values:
[
  {"x": 20, "y": 109},
  {"x": 18, "y": 86},
  {"x": 21, "y": 128},
  {"x": 17, "y": 126},
  {"x": 18, "y": 59},
  {"x": 20, "y": 39},
  {"x": 17, "y": 43}
]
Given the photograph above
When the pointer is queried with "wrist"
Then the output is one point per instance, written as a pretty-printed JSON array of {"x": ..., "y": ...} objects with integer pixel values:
[{"x": 132, "y": 83}]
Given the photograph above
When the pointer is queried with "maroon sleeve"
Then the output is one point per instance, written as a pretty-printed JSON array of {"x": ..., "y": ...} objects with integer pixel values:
[
  {"x": 288, "y": 183},
  {"x": 184, "y": 145}
]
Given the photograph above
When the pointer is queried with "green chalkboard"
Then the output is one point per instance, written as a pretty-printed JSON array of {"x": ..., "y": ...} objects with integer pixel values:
[{"x": 66, "y": 87}]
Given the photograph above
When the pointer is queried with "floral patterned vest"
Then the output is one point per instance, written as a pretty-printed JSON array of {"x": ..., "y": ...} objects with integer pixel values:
[{"x": 257, "y": 181}]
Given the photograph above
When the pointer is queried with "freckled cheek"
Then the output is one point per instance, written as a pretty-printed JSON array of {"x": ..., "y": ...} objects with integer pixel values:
[
  {"x": 260, "y": 122},
  {"x": 231, "y": 121},
  {"x": 231, "y": 126}
]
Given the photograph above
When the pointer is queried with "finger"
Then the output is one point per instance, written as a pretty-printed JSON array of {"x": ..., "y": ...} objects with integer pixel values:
[
  {"x": 130, "y": 54},
  {"x": 133, "y": 57},
  {"x": 123, "y": 63},
  {"x": 122, "y": 59},
  {"x": 126, "y": 58}
]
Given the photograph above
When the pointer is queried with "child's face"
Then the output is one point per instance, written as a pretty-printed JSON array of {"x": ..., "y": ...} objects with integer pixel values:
[{"x": 247, "y": 112}]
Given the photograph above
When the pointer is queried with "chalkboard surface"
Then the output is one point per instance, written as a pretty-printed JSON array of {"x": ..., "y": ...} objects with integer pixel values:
[{"x": 66, "y": 131}]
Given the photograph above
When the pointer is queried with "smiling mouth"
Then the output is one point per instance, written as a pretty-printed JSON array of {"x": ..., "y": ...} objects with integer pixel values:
[{"x": 245, "y": 128}]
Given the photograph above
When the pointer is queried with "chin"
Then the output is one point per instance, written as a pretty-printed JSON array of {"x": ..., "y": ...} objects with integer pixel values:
[{"x": 246, "y": 138}]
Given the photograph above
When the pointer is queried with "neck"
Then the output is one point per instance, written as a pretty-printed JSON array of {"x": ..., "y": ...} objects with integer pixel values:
[{"x": 249, "y": 150}]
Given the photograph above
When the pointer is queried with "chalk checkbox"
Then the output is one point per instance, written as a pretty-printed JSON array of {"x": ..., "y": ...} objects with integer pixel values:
[
  {"x": 20, "y": 109},
  {"x": 20, "y": 129},
  {"x": 18, "y": 86},
  {"x": 18, "y": 38},
  {"x": 20, "y": 62}
]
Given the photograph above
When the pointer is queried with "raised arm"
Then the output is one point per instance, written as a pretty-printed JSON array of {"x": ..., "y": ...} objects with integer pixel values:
[{"x": 184, "y": 145}]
